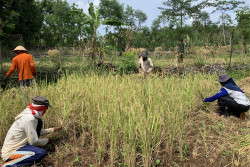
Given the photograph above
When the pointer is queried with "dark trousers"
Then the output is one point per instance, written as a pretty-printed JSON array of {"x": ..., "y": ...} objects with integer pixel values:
[
  {"x": 227, "y": 106},
  {"x": 28, "y": 154},
  {"x": 27, "y": 83}
]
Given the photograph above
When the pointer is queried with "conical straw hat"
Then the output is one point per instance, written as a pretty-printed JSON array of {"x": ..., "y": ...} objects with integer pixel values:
[{"x": 20, "y": 48}]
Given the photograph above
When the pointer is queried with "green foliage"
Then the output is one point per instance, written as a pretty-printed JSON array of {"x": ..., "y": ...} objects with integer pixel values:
[
  {"x": 111, "y": 9},
  {"x": 127, "y": 64},
  {"x": 199, "y": 61},
  {"x": 243, "y": 18},
  {"x": 180, "y": 8},
  {"x": 61, "y": 27}
]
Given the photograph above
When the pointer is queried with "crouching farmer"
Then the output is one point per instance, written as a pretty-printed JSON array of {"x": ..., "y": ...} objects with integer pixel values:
[
  {"x": 145, "y": 64},
  {"x": 20, "y": 143},
  {"x": 231, "y": 99}
]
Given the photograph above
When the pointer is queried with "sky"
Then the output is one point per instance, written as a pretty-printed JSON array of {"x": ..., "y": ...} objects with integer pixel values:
[{"x": 150, "y": 7}]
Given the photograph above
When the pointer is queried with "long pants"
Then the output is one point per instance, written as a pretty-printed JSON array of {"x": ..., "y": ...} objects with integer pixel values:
[
  {"x": 27, "y": 83},
  {"x": 227, "y": 106},
  {"x": 28, "y": 154},
  {"x": 180, "y": 57}
]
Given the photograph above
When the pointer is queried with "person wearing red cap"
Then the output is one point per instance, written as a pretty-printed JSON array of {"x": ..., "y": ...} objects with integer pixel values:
[
  {"x": 25, "y": 66},
  {"x": 231, "y": 99},
  {"x": 21, "y": 144}
]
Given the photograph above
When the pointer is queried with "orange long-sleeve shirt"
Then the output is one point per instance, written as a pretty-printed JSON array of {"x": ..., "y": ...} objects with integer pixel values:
[{"x": 25, "y": 66}]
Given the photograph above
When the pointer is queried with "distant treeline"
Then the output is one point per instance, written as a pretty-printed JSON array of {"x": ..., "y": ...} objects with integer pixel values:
[{"x": 55, "y": 23}]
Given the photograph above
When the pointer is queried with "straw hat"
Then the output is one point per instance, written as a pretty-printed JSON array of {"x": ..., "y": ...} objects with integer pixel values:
[{"x": 20, "y": 48}]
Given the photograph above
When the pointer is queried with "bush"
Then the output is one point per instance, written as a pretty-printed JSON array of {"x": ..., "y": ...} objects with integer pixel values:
[
  {"x": 199, "y": 60},
  {"x": 54, "y": 56},
  {"x": 128, "y": 63}
]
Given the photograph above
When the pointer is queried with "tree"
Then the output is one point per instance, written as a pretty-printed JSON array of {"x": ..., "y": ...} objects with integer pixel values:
[
  {"x": 141, "y": 17},
  {"x": 60, "y": 27},
  {"x": 7, "y": 22},
  {"x": 94, "y": 20},
  {"x": 203, "y": 17},
  {"x": 111, "y": 9},
  {"x": 129, "y": 16},
  {"x": 223, "y": 6},
  {"x": 179, "y": 8},
  {"x": 29, "y": 21},
  {"x": 243, "y": 18}
]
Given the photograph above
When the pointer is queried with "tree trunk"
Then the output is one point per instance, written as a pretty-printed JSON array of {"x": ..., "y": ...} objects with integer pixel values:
[
  {"x": 1, "y": 64},
  {"x": 224, "y": 36},
  {"x": 181, "y": 20},
  {"x": 223, "y": 29},
  {"x": 94, "y": 47},
  {"x": 231, "y": 53},
  {"x": 244, "y": 45}
]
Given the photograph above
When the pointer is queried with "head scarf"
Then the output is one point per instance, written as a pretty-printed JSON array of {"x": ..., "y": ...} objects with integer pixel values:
[{"x": 36, "y": 110}]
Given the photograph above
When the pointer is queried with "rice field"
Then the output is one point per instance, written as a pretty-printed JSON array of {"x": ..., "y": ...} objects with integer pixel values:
[{"x": 130, "y": 121}]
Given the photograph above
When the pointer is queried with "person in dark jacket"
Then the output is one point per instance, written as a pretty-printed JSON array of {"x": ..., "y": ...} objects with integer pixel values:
[
  {"x": 231, "y": 99},
  {"x": 181, "y": 51}
]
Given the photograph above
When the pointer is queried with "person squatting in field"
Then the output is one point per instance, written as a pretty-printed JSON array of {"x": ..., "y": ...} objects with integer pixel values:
[
  {"x": 145, "y": 64},
  {"x": 25, "y": 66},
  {"x": 231, "y": 99},
  {"x": 20, "y": 143}
]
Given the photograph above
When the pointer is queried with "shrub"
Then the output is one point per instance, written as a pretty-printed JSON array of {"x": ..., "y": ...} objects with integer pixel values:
[
  {"x": 128, "y": 63},
  {"x": 54, "y": 56},
  {"x": 199, "y": 61}
]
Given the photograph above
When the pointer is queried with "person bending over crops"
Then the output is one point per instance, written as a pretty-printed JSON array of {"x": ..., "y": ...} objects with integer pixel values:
[
  {"x": 231, "y": 99},
  {"x": 145, "y": 63},
  {"x": 25, "y": 66},
  {"x": 20, "y": 143},
  {"x": 181, "y": 51}
]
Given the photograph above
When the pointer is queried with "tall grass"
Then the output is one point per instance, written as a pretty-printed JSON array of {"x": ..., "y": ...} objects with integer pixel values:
[{"x": 128, "y": 118}]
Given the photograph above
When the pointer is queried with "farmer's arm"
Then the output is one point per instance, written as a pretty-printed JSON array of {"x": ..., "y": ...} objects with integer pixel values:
[
  {"x": 150, "y": 66},
  {"x": 140, "y": 63},
  {"x": 50, "y": 130},
  {"x": 223, "y": 92},
  {"x": 12, "y": 68},
  {"x": 46, "y": 131},
  {"x": 31, "y": 133},
  {"x": 32, "y": 65}
]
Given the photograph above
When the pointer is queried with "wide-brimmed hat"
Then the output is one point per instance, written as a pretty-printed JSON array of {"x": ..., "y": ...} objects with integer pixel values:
[
  {"x": 223, "y": 78},
  {"x": 144, "y": 54},
  {"x": 40, "y": 100},
  {"x": 20, "y": 48}
]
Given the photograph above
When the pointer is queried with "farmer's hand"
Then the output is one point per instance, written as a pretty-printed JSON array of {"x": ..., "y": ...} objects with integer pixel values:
[
  {"x": 5, "y": 78},
  {"x": 57, "y": 128}
]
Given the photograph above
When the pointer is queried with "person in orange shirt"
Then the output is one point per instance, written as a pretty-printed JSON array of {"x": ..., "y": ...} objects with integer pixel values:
[{"x": 25, "y": 66}]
